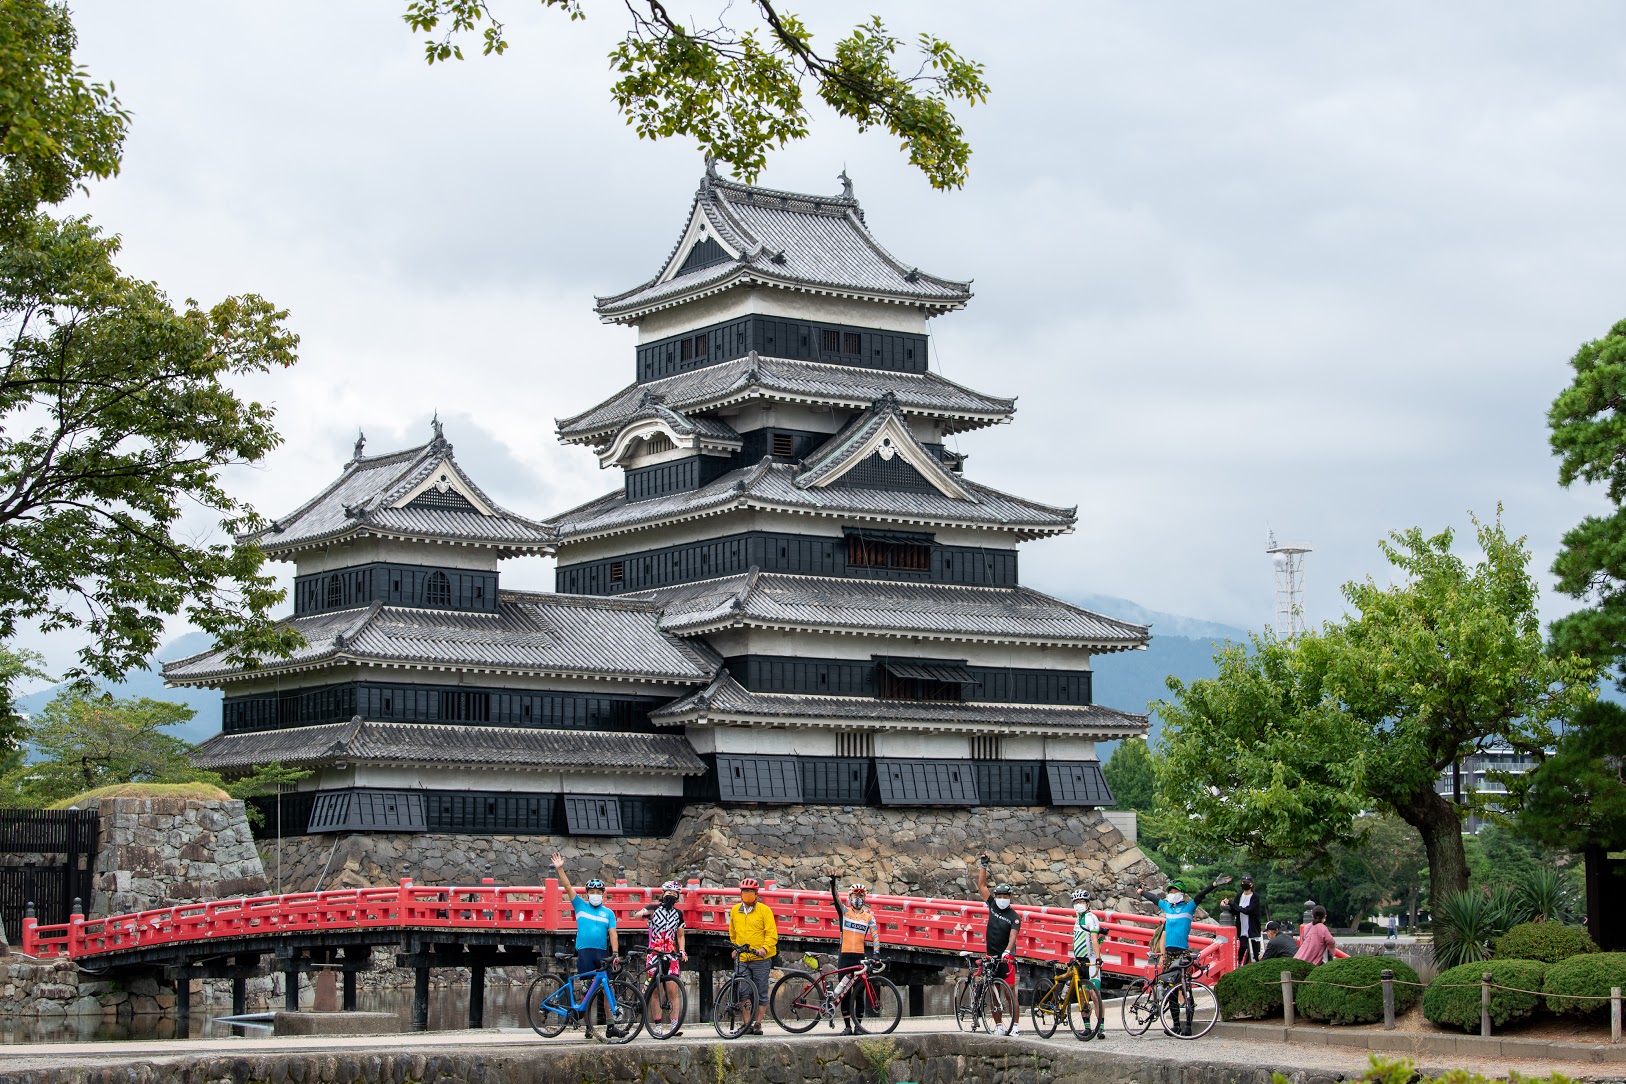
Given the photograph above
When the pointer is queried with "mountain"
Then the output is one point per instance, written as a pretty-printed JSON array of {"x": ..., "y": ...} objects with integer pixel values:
[{"x": 149, "y": 682}]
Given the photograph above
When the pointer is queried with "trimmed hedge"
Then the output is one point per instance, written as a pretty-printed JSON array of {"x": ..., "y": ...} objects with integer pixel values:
[
  {"x": 1548, "y": 942},
  {"x": 1322, "y": 996},
  {"x": 1590, "y": 975},
  {"x": 1254, "y": 991},
  {"x": 1453, "y": 998}
]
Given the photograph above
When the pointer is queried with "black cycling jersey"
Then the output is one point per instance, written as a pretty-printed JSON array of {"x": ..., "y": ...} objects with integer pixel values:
[{"x": 1001, "y": 924}]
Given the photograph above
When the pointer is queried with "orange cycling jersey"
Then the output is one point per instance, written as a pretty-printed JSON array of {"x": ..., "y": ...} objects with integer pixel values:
[{"x": 855, "y": 927}]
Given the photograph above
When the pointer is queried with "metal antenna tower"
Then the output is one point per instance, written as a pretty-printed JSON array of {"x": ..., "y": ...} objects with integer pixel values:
[{"x": 1289, "y": 560}]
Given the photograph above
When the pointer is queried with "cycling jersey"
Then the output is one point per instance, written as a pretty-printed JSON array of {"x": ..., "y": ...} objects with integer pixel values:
[
  {"x": 1083, "y": 943},
  {"x": 1002, "y": 922},
  {"x": 664, "y": 924},
  {"x": 855, "y": 929}
]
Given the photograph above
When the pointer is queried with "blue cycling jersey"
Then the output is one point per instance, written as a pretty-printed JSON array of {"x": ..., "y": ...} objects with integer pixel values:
[
  {"x": 1177, "y": 922},
  {"x": 593, "y": 924}
]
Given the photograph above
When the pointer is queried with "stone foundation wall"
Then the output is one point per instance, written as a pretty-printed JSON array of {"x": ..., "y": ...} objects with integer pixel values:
[
  {"x": 1042, "y": 852},
  {"x": 160, "y": 851}
]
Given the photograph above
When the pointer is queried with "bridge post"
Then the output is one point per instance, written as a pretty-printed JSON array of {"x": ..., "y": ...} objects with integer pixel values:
[
  {"x": 420, "y": 998},
  {"x": 707, "y": 994},
  {"x": 349, "y": 997},
  {"x": 917, "y": 999},
  {"x": 183, "y": 1002},
  {"x": 239, "y": 995},
  {"x": 290, "y": 985},
  {"x": 477, "y": 996}
]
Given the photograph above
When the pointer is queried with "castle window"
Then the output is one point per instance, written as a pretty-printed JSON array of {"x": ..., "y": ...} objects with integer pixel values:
[
  {"x": 852, "y": 343},
  {"x": 783, "y": 444},
  {"x": 831, "y": 341},
  {"x": 686, "y": 350},
  {"x": 437, "y": 590},
  {"x": 657, "y": 442},
  {"x": 459, "y": 706},
  {"x": 918, "y": 679},
  {"x": 857, "y": 744},
  {"x": 870, "y": 552},
  {"x": 985, "y": 748},
  {"x": 335, "y": 591},
  {"x": 617, "y": 572}
]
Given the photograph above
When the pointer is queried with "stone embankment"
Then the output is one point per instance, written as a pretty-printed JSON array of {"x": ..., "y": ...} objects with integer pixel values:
[{"x": 159, "y": 851}]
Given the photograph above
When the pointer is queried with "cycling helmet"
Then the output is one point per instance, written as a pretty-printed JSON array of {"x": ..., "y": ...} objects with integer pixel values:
[
  {"x": 858, "y": 888},
  {"x": 749, "y": 884},
  {"x": 593, "y": 882},
  {"x": 1081, "y": 895},
  {"x": 1002, "y": 890},
  {"x": 1177, "y": 885}
]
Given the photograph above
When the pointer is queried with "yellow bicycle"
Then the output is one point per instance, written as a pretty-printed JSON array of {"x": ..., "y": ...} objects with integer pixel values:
[{"x": 1071, "y": 997}]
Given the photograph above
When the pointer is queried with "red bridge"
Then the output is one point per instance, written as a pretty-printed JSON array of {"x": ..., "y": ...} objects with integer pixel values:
[{"x": 485, "y": 925}]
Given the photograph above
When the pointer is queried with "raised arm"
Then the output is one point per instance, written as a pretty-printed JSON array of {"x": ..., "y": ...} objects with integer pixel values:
[
  {"x": 982, "y": 877},
  {"x": 835, "y": 898},
  {"x": 1198, "y": 898},
  {"x": 564, "y": 878}
]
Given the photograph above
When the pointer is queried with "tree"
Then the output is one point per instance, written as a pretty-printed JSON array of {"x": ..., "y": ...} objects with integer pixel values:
[
  {"x": 1576, "y": 797},
  {"x": 1280, "y": 752},
  {"x": 1129, "y": 775},
  {"x": 739, "y": 91},
  {"x": 14, "y": 666},
  {"x": 1389, "y": 868},
  {"x": 1588, "y": 434},
  {"x": 116, "y": 408},
  {"x": 87, "y": 741}
]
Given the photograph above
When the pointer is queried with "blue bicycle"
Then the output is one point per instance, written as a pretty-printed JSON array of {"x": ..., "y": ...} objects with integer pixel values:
[{"x": 556, "y": 1002}]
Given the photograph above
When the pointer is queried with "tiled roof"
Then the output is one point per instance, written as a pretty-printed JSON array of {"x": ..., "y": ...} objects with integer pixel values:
[
  {"x": 364, "y": 499},
  {"x": 880, "y": 430},
  {"x": 536, "y": 633},
  {"x": 816, "y": 244},
  {"x": 887, "y": 608},
  {"x": 725, "y": 700},
  {"x": 771, "y": 485},
  {"x": 783, "y": 380},
  {"x": 456, "y": 743}
]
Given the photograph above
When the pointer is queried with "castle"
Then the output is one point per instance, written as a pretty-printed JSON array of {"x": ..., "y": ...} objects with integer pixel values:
[{"x": 794, "y": 597}]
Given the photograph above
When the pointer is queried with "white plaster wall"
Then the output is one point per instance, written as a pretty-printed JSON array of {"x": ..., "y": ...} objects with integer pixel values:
[
  {"x": 790, "y": 742},
  {"x": 1069, "y": 749},
  {"x": 939, "y": 746},
  {"x": 769, "y": 301},
  {"x": 1021, "y": 748},
  {"x": 363, "y": 551},
  {"x": 464, "y": 778},
  {"x": 763, "y": 415},
  {"x": 824, "y": 645}
]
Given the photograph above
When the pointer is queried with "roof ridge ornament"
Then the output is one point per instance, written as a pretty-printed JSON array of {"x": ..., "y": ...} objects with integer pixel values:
[
  {"x": 846, "y": 184},
  {"x": 361, "y": 443},
  {"x": 711, "y": 170},
  {"x": 440, "y": 434}
]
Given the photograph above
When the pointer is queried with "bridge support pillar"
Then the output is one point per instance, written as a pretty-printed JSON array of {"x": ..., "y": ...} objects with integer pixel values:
[
  {"x": 183, "y": 1002},
  {"x": 477, "y": 996},
  {"x": 420, "y": 999},
  {"x": 917, "y": 999},
  {"x": 349, "y": 996},
  {"x": 290, "y": 987},
  {"x": 239, "y": 995},
  {"x": 707, "y": 995}
]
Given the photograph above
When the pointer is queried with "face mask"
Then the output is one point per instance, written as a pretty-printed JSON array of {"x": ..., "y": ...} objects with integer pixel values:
[
  {"x": 1175, "y": 897},
  {"x": 594, "y": 899},
  {"x": 748, "y": 898},
  {"x": 856, "y": 901},
  {"x": 1082, "y": 908},
  {"x": 1001, "y": 902},
  {"x": 669, "y": 901}
]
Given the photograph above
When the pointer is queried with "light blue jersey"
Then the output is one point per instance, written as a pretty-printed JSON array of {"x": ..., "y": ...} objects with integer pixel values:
[{"x": 1177, "y": 922}]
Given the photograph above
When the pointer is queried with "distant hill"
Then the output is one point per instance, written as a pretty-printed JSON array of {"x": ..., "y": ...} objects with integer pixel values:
[
  {"x": 1182, "y": 646},
  {"x": 150, "y": 682}
]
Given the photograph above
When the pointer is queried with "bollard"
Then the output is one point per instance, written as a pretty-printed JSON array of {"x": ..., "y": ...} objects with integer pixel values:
[
  {"x": 78, "y": 906},
  {"x": 1287, "y": 998},
  {"x": 1388, "y": 999},
  {"x": 1484, "y": 1005},
  {"x": 1614, "y": 1014}
]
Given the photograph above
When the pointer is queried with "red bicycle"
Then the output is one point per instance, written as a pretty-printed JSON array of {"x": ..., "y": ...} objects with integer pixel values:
[{"x": 801, "y": 999}]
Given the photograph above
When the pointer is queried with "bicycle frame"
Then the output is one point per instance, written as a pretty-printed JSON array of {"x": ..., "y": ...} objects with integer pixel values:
[
  {"x": 600, "y": 982},
  {"x": 1070, "y": 981},
  {"x": 827, "y": 987}
]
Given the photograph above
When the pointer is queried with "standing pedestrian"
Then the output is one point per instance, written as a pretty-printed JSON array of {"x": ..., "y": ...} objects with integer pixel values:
[
  {"x": 1246, "y": 911},
  {"x": 1316, "y": 944}
]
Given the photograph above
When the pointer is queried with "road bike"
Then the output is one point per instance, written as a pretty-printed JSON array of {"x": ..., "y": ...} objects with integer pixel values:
[
  {"x": 556, "y": 1002},
  {"x": 1072, "y": 997},
  {"x": 984, "y": 992},
  {"x": 801, "y": 999},
  {"x": 1184, "y": 1007},
  {"x": 735, "y": 1007},
  {"x": 666, "y": 1002}
]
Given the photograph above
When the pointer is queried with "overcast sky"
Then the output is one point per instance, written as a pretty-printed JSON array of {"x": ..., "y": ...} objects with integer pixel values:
[{"x": 1311, "y": 267}]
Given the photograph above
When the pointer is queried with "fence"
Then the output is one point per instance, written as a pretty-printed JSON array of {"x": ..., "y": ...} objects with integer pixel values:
[{"x": 49, "y": 856}]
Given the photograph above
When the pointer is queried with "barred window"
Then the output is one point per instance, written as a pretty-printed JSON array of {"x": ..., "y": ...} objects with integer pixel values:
[
  {"x": 985, "y": 748},
  {"x": 783, "y": 444},
  {"x": 437, "y": 590},
  {"x": 856, "y": 744},
  {"x": 865, "y": 552},
  {"x": 335, "y": 590},
  {"x": 852, "y": 343},
  {"x": 831, "y": 341}
]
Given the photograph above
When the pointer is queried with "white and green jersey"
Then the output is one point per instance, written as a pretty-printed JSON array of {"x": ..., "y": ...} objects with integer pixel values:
[{"x": 1083, "y": 945}]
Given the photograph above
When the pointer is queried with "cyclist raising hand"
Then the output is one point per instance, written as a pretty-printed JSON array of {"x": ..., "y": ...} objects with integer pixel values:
[
  {"x": 857, "y": 924},
  {"x": 1003, "y": 921}
]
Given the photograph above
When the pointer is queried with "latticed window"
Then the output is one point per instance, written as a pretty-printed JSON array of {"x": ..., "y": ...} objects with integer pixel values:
[
  {"x": 856, "y": 744},
  {"x": 659, "y": 442},
  {"x": 831, "y": 341},
  {"x": 335, "y": 591},
  {"x": 867, "y": 552},
  {"x": 618, "y": 572},
  {"x": 783, "y": 444},
  {"x": 985, "y": 747},
  {"x": 437, "y": 590},
  {"x": 852, "y": 343}
]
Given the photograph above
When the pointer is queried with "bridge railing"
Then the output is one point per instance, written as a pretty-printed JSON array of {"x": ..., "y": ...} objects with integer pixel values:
[{"x": 926, "y": 924}]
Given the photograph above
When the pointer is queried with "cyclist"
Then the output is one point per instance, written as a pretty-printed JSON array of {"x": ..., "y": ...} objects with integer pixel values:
[
  {"x": 666, "y": 934},
  {"x": 1178, "y": 908},
  {"x": 595, "y": 926},
  {"x": 752, "y": 929},
  {"x": 858, "y": 924},
  {"x": 1003, "y": 921},
  {"x": 1086, "y": 937}
]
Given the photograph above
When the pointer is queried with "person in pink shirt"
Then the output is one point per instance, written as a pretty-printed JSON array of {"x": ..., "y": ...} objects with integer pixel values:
[{"x": 1316, "y": 945}]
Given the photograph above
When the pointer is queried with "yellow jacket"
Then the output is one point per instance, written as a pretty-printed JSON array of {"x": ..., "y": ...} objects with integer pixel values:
[{"x": 757, "y": 929}]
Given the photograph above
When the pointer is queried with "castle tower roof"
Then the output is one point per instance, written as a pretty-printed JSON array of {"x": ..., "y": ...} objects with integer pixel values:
[
  {"x": 742, "y": 235},
  {"x": 419, "y": 494}
]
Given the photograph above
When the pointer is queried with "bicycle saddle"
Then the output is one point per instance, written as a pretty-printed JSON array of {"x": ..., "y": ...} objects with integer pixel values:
[{"x": 562, "y": 956}]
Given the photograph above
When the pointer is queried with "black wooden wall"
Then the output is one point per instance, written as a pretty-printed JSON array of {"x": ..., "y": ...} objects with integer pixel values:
[
  {"x": 859, "y": 677},
  {"x": 411, "y": 703},
  {"x": 401, "y": 585},
  {"x": 812, "y": 555},
  {"x": 798, "y": 340}
]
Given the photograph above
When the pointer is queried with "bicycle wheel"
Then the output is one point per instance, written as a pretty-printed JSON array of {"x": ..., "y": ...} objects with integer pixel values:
[
  {"x": 736, "y": 1007},
  {"x": 1085, "y": 1019},
  {"x": 883, "y": 1006},
  {"x": 1050, "y": 1007},
  {"x": 546, "y": 1006},
  {"x": 1138, "y": 1008},
  {"x": 964, "y": 1014},
  {"x": 666, "y": 998},
  {"x": 1190, "y": 1017},
  {"x": 797, "y": 1001},
  {"x": 1002, "y": 1013},
  {"x": 627, "y": 1019}
]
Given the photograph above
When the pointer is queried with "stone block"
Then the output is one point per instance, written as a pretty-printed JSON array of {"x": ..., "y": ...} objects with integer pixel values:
[
  {"x": 1124, "y": 859},
  {"x": 336, "y": 1023}
]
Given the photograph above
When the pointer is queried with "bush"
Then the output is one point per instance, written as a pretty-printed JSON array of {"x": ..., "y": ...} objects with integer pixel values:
[
  {"x": 1322, "y": 996},
  {"x": 1453, "y": 998},
  {"x": 1254, "y": 991},
  {"x": 1548, "y": 942},
  {"x": 1466, "y": 922},
  {"x": 1588, "y": 975}
]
